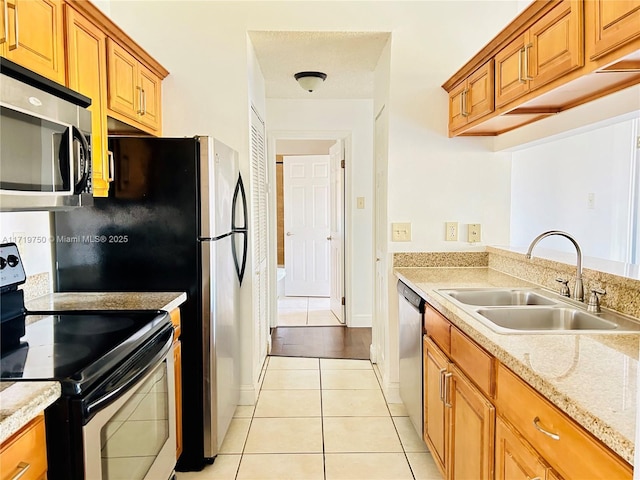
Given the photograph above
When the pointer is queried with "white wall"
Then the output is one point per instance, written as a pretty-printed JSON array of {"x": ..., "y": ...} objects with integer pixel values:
[
  {"x": 431, "y": 179},
  {"x": 30, "y": 231},
  {"x": 551, "y": 183},
  {"x": 355, "y": 118}
]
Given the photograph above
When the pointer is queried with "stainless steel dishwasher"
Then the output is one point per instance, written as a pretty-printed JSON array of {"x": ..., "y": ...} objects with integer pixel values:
[{"x": 410, "y": 320}]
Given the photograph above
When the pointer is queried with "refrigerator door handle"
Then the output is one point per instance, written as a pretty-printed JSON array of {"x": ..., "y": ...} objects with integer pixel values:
[
  {"x": 239, "y": 190},
  {"x": 240, "y": 267}
]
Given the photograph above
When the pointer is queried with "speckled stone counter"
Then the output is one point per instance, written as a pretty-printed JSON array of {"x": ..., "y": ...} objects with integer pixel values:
[
  {"x": 592, "y": 378},
  {"x": 20, "y": 402},
  {"x": 107, "y": 301}
]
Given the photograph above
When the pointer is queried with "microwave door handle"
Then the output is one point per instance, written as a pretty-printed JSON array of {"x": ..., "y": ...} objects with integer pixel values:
[
  {"x": 84, "y": 152},
  {"x": 65, "y": 161}
]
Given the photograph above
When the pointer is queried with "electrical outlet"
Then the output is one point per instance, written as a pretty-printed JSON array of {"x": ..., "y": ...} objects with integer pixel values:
[
  {"x": 474, "y": 232},
  {"x": 451, "y": 232},
  {"x": 401, "y": 232}
]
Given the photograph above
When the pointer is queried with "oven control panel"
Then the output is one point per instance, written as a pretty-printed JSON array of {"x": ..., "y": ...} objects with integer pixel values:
[{"x": 11, "y": 268}]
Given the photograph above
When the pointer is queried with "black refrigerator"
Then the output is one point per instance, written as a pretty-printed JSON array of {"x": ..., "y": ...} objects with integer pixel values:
[{"x": 174, "y": 220}]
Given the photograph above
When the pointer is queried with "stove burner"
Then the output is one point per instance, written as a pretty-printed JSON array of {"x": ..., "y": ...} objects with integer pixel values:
[{"x": 87, "y": 326}]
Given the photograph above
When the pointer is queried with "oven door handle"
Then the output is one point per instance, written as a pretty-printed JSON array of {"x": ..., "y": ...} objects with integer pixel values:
[{"x": 127, "y": 375}]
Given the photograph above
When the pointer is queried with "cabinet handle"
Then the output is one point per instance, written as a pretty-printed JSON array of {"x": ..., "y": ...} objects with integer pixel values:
[
  {"x": 440, "y": 385},
  {"x": 21, "y": 469},
  {"x": 536, "y": 423},
  {"x": 526, "y": 62},
  {"x": 447, "y": 403},
  {"x": 144, "y": 105},
  {"x": 111, "y": 167},
  {"x": 15, "y": 24},
  {"x": 520, "y": 55},
  {"x": 139, "y": 112},
  {"x": 464, "y": 112}
]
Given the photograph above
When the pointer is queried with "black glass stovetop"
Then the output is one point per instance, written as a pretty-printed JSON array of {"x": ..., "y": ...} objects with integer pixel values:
[{"x": 78, "y": 348}]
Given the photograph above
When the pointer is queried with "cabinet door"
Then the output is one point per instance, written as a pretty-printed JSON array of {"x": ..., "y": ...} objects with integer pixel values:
[
  {"x": 124, "y": 94},
  {"x": 472, "y": 421},
  {"x": 150, "y": 110},
  {"x": 35, "y": 36},
  {"x": 556, "y": 44},
  {"x": 87, "y": 74},
  {"x": 509, "y": 77},
  {"x": 26, "y": 446},
  {"x": 515, "y": 459},
  {"x": 177, "y": 365},
  {"x": 616, "y": 23},
  {"x": 435, "y": 367},
  {"x": 480, "y": 92},
  {"x": 457, "y": 118}
]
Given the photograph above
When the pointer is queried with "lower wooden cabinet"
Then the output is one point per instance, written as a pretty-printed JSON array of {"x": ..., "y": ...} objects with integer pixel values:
[
  {"x": 24, "y": 454},
  {"x": 459, "y": 420},
  {"x": 471, "y": 430},
  {"x": 435, "y": 424},
  {"x": 177, "y": 365},
  {"x": 515, "y": 459}
]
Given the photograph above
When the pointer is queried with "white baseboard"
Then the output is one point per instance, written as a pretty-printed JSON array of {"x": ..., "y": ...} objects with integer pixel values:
[
  {"x": 359, "y": 321},
  {"x": 248, "y": 395},
  {"x": 392, "y": 392}
]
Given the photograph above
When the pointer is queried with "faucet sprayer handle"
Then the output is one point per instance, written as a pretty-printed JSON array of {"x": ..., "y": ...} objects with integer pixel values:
[
  {"x": 564, "y": 290},
  {"x": 594, "y": 301}
]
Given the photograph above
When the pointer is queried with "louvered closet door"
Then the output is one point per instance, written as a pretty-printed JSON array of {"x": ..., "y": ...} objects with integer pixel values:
[{"x": 260, "y": 229}]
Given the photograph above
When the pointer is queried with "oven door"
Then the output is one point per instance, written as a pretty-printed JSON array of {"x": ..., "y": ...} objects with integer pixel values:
[{"x": 134, "y": 436}]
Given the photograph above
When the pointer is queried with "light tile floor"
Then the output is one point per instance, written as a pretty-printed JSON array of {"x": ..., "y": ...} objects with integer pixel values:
[
  {"x": 323, "y": 419},
  {"x": 301, "y": 311}
]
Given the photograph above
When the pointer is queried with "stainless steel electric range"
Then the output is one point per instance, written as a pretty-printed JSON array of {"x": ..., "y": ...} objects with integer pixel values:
[{"x": 116, "y": 416}]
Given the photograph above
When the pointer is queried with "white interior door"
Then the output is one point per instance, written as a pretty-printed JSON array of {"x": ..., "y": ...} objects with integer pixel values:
[
  {"x": 306, "y": 225},
  {"x": 336, "y": 221}
]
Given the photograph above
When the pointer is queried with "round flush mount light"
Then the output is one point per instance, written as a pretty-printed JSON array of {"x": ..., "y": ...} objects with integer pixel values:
[{"x": 310, "y": 80}]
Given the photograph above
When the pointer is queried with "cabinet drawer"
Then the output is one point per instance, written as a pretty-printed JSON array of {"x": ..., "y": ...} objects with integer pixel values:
[
  {"x": 438, "y": 328},
  {"x": 473, "y": 360},
  {"x": 26, "y": 447},
  {"x": 522, "y": 406}
]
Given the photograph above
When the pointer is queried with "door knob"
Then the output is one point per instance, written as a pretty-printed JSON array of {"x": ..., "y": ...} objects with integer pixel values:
[
  {"x": 289, "y": 234},
  {"x": 329, "y": 237}
]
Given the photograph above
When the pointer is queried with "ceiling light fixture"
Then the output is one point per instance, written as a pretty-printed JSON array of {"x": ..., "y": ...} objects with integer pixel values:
[{"x": 310, "y": 80}]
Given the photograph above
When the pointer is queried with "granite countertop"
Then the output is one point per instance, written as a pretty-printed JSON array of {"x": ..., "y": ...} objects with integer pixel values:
[
  {"x": 20, "y": 402},
  {"x": 107, "y": 301},
  {"x": 592, "y": 378}
]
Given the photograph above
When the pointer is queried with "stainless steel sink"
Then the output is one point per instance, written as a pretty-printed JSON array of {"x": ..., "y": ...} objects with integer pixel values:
[
  {"x": 545, "y": 318},
  {"x": 536, "y": 311},
  {"x": 496, "y": 297}
]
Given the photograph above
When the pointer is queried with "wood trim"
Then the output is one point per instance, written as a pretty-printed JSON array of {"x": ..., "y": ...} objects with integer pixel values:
[
  {"x": 93, "y": 13},
  {"x": 518, "y": 26}
]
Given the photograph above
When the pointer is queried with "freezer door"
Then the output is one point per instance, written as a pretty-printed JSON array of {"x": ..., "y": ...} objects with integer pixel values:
[
  {"x": 221, "y": 344},
  {"x": 219, "y": 173}
]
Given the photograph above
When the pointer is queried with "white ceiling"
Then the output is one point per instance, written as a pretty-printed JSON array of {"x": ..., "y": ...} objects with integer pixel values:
[{"x": 348, "y": 59}]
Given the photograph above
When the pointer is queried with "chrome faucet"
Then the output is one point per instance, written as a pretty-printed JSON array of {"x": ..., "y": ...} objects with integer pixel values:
[{"x": 578, "y": 291}]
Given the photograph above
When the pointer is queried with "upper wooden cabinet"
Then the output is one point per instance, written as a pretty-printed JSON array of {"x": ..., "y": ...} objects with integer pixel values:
[
  {"x": 615, "y": 23},
  {"x": 551, "y": 48},
  {"x": 133, "y": 90},
  {"x": 87, "y": 74},
  {"x": 473, "y": 98},
  {"x": 550, "y": 59},
  {"x": 32, "y": 35}
]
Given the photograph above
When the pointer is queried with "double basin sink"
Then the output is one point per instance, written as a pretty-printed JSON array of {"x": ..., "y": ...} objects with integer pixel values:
[{"x": 534, "y": 311}]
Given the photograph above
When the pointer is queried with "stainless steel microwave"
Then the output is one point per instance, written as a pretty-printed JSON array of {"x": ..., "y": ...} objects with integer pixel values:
[{"x": 45, "y": 143}]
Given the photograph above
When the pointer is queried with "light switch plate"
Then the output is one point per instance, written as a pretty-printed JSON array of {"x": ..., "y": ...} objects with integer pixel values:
[
  {"x": 451, "y": 232},
  {"x": 400, "y": 232},
  {"x": 474, "y": 232},
  {"x": 359, "y": 202}
]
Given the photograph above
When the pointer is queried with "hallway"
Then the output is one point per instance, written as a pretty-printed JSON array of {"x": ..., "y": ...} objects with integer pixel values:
[{"x": 320, "y": 419}]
